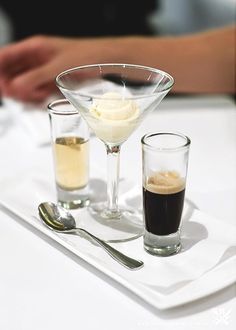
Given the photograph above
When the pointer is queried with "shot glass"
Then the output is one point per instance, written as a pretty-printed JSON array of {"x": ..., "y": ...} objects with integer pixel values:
[
  {"x": 70, "y": 146},
  {"x": 164, "y": 163}
]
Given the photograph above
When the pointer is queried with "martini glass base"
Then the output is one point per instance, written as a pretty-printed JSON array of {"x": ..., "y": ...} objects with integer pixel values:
[
  {"x": 119, "y": 226},
  {"x": 109, "y": 214}
]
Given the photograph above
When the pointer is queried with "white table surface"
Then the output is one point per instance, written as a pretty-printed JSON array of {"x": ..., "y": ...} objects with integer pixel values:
[{"x": 43, "y": 286}]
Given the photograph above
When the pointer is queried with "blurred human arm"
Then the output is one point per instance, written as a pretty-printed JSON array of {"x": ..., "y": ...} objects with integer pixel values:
[{"x": 200, "y": 63}]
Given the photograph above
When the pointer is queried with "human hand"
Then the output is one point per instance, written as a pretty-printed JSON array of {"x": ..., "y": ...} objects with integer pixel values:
[{"x": 28, "y": 68}]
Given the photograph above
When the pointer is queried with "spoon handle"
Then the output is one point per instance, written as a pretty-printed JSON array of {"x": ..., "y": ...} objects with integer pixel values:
[{"x": 115, "y": 254}]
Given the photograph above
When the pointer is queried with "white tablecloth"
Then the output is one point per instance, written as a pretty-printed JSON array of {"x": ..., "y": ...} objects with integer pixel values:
[{"x": 44, "y": 287}]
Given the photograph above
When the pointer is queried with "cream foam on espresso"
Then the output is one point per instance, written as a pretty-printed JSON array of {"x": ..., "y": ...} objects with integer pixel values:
[{"x": 165, "y": 183}]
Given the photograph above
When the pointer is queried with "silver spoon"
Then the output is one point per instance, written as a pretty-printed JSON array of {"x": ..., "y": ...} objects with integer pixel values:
[{"x": 60, "y": 220}]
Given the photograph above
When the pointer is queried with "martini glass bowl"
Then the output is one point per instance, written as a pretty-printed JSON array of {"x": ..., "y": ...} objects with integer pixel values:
[{"x": 114, "y": 99}]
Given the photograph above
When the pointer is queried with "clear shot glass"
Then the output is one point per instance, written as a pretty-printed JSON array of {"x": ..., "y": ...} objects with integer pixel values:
[
  {"x": 164, "y": 162},
  {"x": 70, "y": 146}
]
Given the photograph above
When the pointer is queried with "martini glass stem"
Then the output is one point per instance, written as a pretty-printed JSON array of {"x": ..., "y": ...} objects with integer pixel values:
[{"x": 113, "y": 167}]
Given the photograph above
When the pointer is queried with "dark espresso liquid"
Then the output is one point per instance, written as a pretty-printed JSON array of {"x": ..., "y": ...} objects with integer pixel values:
[{"x": 163, "y": 211}]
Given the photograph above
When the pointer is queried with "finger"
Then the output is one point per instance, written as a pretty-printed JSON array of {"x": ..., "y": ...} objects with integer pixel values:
[
  {"x": 41, "y": 94},
  {"x": 24, "y": 85},
  {"x": 37, "y": 95},
  {"x": 19, "y": 55}
]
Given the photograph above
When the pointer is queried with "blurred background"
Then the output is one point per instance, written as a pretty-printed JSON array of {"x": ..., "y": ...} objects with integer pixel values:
[{"x": 20, "y": 19}]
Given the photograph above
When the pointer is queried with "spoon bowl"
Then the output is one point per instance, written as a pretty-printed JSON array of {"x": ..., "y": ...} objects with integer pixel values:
[
  {"x": 61, "y": 220},
  {"x": 56, "y": 216}
]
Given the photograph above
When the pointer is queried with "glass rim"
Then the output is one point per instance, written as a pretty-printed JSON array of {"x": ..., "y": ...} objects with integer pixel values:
[
  {"x": 64, "y": 101},
  {"x": 138, "y": 66},
  {"x": 185, "y": 145}
]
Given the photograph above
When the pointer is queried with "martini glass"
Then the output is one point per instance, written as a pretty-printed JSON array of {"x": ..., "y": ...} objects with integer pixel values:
[{"x": 114, "y": 99}]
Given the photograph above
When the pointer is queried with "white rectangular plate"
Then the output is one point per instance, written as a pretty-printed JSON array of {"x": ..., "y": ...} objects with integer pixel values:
[{"x": 161, "y": 282}]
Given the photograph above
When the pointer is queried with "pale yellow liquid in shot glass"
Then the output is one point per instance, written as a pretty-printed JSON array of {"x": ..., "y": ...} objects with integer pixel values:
[{"x": 71, "y": 162}]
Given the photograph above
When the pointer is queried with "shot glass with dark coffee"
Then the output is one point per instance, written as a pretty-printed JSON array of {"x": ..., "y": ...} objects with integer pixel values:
[{"x": 165, "y": 163}]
